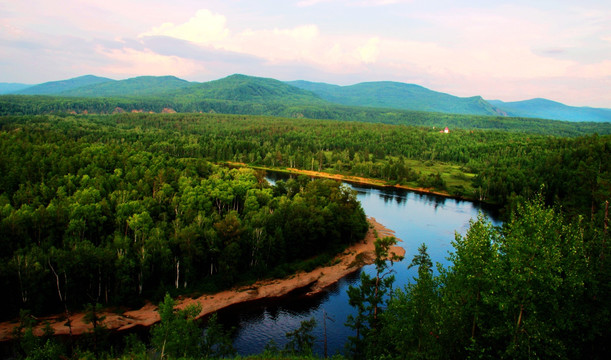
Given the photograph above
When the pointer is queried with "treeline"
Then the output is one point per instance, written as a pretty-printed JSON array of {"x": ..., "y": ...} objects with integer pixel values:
[
  {"x": 537, "y": 288},
  {"x": 90, "y": 214},
  {"x": 574, "y": 173},
  {"x": 38, "y": 105},
  {"x": 493, "y": 166}
]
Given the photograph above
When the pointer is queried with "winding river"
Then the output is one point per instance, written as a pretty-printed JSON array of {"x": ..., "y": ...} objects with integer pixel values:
[{"x": 416, "y": 218}]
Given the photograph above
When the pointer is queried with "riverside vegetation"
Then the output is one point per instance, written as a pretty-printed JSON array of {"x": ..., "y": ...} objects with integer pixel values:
[{"x": 118, "y": 209}]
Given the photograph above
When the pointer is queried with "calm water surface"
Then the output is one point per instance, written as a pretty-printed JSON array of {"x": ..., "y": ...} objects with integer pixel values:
[{"x": 415, "y": 218}]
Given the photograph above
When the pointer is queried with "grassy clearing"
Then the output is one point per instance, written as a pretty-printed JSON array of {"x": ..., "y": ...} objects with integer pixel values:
[{"x": 453, "y": 175}]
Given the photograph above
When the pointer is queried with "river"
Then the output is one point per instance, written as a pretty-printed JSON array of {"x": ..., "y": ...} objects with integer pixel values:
[{"x": 416, "y": 218}]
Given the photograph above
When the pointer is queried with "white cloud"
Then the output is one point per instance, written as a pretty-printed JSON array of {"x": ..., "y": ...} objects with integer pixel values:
[
  {"x": 303, "y": 44},
  {"x": 507, "y": 56},
  {"x": 306, "y": 45},
  {"x": 370, "y": 51},
  {"x": 204, "y": 28},
  {"x": 382, "y": 2},
  {"x": 127, "y": 61},
  {"x": 305, "y": 3},
  {"x": 300, "y": 33}
]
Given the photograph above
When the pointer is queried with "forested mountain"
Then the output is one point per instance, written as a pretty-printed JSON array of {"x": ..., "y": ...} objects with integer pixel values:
[
  {"x": 8, "y": 88},
  {"x": 247, "y": 89},
  {"x": 57, "y": 87},
  {"x": 138, "y": 86},
  {"x": 237, "y": 87},
  {"x": 252, "y": 91},
  {"x": 547, "y": 109},
  {"x": 396, "y": 95}
]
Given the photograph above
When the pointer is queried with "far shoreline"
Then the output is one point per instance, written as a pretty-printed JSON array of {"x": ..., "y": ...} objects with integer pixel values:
[
  {"x": 352, "y": 259},
  {"x": 354, "y": 180}
]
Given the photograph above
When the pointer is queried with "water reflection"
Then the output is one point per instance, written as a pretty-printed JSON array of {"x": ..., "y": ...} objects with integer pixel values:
[
  {"x": 416, "y": 218},
  {"x": 260, "y": 322}
]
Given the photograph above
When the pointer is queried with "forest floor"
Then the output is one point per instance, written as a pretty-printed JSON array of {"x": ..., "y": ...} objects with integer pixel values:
[{"x": 352, "y": 259}]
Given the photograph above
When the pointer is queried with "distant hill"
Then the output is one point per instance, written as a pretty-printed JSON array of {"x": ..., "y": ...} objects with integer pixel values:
[
  {"x": 235, "y": 88},
  {"x": 256, "y": 95},
  {"x": 57, "y": 87},
  {"x": 245, "y": 88},
  {"x": 396, "y": 95},
  {"x": 547, "y": 109},
  {"x": 138, "y": 86},
  {"x": 9, "y": 88}
]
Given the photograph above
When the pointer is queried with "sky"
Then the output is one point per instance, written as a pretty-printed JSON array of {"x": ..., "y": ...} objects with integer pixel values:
[{"x": 507, "y": 50}]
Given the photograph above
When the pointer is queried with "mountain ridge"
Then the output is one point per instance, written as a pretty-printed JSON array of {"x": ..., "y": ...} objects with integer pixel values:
[
  {"x": 549, "y": 109},
  {"x": 239, "y": 87},
  {"x": 397, "y": 95},
  {"x": 9, "y": 88},
  {"x": 252, "y": 90},
  {"x": 136, "y": 86},
  {"x": 59, "y": 86}
]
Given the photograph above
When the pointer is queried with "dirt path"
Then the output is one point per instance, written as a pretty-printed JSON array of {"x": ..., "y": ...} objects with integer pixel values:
[{"x": 349, "y": 261}]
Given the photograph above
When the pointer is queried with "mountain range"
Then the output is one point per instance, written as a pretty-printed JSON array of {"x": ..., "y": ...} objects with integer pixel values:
[
  {"x": 548, "y": 109},
  {"x": 12, "y": 88},
  {"x": 62, "y": 86},
  {"x": 381, "y": 95},
  {"x": 396, "y": 95}
]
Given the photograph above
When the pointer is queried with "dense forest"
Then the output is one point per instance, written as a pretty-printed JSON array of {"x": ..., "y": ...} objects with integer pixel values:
[
  {"x": 493, "y": 166},
  {"x": 537, "y": 288},
  {"x": 94, "y": 215},
  {"x": 251, "y": 101},
  {"x": 114, "y": 209}
]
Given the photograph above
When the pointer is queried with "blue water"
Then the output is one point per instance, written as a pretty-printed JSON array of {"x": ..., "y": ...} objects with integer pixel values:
[{"x": 415, "y": 218}]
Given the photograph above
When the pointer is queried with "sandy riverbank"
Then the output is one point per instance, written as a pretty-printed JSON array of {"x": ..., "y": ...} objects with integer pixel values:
[
  {"x": 349, "y": 178},
  {"x": 365, "y": 181},
  {"x": 317, "y": 280}
]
